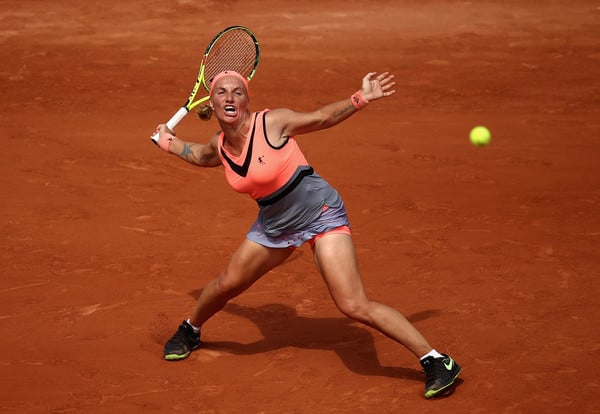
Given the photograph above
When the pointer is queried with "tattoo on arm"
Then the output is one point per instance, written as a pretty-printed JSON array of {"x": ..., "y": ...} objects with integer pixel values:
[
  {"x": 343, "y": 112},
  {"x": 186, "y": 152}
]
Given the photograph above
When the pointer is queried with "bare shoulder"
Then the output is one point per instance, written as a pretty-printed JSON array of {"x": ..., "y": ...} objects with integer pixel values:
[
  {"x": 213, "y": 143},
  {"x": 279, "y": 115},
  {"x": 286, "y": 123},
  {"x": 209, "y": 154},
  {"x": 277, "y": 122}
]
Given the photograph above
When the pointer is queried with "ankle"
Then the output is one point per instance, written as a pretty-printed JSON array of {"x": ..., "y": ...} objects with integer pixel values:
[{"x": 433, "y": 353}]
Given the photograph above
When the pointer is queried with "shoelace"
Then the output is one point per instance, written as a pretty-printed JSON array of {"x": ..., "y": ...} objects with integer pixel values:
[
  {"x": 181, "y": 334},
  {"x": 434, "y": 371}
]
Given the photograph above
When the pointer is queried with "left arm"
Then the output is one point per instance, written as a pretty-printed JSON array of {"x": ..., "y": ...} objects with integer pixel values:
[{"x": 285, "y": 123}]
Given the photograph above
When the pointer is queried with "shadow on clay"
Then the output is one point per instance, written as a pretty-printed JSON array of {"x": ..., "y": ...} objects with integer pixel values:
[{"x": 281, "y": 327}]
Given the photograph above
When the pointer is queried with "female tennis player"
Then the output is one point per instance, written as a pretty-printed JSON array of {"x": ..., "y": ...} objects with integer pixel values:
[{"x": 261, "y": 158}]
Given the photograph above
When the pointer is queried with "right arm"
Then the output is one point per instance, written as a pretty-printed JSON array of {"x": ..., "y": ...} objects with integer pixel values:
[{"x": 201, "y": 155}]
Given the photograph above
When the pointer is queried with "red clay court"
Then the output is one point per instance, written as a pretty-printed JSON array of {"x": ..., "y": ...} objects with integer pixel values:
[{"x": 492, "y": 252}]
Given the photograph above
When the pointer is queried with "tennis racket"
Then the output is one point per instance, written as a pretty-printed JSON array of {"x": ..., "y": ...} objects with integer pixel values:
[{"x": 234, "y": 48}]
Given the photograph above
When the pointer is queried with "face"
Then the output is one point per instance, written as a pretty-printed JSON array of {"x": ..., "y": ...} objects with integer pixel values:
[{"x": 229, "y": 99}]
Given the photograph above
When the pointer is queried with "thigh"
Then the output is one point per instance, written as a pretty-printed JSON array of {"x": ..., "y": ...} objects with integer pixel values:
[
  {"x": 250, "y": 261},
  {"x": 336, "y": 259}
]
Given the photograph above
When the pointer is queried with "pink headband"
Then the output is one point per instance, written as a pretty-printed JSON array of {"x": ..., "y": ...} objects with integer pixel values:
[{"x": 228, "y": 73}]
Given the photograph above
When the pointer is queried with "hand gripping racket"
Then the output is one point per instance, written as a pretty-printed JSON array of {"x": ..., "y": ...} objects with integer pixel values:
[{"x": 234, "y": 48}]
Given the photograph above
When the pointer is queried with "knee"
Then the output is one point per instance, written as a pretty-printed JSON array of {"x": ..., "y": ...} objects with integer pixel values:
[
  {"x": 357, "y": 309},
  {"x": 227, "y": 287}
]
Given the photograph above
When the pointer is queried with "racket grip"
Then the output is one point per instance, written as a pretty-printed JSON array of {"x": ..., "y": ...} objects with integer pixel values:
[{"x": 172, "y": 123}]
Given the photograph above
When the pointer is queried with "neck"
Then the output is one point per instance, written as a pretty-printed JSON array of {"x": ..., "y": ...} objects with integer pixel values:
[{"x": 235, "y": 133}]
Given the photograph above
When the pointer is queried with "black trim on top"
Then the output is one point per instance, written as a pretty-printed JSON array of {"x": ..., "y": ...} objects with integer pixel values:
[
  {"x": 242, "y": 170},
  {"x": 303, "y": 173}
]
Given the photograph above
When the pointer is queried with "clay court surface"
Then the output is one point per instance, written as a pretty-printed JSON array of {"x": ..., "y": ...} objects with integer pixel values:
[{"x": 493, "y": 253}]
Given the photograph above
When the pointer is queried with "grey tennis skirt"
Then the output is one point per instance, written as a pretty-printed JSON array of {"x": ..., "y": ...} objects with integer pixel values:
[{"x": 329, "y": 219}]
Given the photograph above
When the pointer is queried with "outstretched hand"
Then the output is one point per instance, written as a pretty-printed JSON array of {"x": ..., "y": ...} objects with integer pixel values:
[{"x": 378, "y": 87}]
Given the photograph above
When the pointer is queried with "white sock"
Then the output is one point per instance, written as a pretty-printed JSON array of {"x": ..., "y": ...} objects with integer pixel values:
[
  {"x": 432, "y": 353},
  {"x": 196, "y": 329}
]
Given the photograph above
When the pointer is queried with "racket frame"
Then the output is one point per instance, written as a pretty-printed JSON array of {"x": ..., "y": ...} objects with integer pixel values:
[{"x": 190, "y": 103}]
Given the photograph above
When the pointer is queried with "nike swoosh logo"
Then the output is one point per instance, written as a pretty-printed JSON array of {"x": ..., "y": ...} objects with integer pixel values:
[{"x": 450, "y": 365}]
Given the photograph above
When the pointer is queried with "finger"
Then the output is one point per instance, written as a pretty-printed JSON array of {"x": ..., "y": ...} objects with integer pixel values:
[
  {"x": 368, "y": 76},
  {"x": 387, "y": 79}
]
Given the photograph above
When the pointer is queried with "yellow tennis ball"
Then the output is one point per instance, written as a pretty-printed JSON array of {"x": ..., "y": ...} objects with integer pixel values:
[{"x": 480, "y": 136}]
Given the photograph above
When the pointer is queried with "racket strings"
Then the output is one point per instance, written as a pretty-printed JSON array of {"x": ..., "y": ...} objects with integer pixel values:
[{"x": 235, "y": 50}]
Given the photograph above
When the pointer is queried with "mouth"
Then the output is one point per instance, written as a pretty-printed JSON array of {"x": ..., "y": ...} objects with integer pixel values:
[{"x": 230, "y": 110}]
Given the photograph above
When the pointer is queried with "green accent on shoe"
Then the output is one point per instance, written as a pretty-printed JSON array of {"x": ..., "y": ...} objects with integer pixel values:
[
  {"x": 177, "y": 357},
  {"x": 434, "y": 393},
  {"x": 440, "y": 375},
  {"x": 182, "y": 343}
]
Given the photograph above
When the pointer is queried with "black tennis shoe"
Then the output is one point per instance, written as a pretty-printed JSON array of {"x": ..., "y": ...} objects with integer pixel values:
[
  {"x": 182, "y": 343},
  {"x": 440, "y": 375}
]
